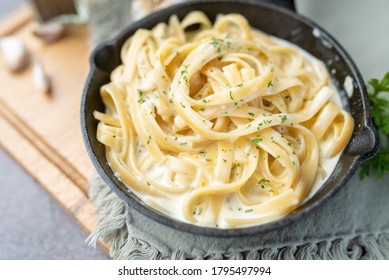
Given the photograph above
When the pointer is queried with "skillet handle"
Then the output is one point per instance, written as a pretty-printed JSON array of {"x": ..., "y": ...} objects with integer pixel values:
[
  {"x": 365, "y": 143},
  {"x": 289, "y": 4}
]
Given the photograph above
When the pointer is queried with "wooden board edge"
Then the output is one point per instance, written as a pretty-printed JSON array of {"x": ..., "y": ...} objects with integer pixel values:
[
  {"x": 60, "y": 188},
  {"x": 45, "y": 148}
]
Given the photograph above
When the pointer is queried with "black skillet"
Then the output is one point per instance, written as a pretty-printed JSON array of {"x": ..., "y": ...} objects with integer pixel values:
[{"x": 281, "y": 20}]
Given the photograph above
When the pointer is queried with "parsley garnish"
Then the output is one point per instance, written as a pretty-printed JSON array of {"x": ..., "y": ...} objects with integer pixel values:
[
  {"x": 256, "y": 140},
  {"x": 196, "y": 211},
  {"x": 264, "y": 183},
  {"x": 231, "y": 96},
  {"x": 251, "y": 114},
  {"x": 185, "y": 71},
  {"x": 270, "y": 84},
  {"x": 217, "y": 43},
  {"x": 283, "y": 118},
  {"x": 380, "y": 116},
  {"x": 140, "y": 93}
]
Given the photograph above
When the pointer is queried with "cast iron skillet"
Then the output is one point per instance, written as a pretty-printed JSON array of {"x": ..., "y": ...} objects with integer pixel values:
[{"x": 280, "y": 21}]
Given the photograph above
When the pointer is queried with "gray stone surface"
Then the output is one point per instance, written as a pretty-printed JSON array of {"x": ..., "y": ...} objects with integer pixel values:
[{"x": 32, "y": 225}]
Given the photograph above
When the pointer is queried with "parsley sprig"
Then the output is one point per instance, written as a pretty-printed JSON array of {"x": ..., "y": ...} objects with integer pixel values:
[{"x": 379, "y": 102}]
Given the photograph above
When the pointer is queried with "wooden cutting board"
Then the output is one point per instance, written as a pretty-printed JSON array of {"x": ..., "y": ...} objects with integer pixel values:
[{"x": 42, "y": 132}]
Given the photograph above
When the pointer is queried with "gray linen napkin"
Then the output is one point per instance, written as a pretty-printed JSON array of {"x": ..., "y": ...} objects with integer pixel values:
[{"x": 354, "y": 224}]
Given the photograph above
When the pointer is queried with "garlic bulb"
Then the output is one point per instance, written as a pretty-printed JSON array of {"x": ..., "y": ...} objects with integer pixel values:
[{"x": 14, "y": 52}]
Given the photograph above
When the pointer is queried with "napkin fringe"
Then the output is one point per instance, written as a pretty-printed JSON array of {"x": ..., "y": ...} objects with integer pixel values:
[{"x": 115, "y": 222}]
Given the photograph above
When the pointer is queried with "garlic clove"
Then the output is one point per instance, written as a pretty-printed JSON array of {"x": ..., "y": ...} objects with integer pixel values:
[
  {"x": 49, "y": 32},
  {"x": 40, "y": 78},
  {"x": 15, "y": 54}
]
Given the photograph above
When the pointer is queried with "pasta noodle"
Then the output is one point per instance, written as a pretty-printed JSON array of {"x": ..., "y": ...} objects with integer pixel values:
[{"x": 221, "y": 126}]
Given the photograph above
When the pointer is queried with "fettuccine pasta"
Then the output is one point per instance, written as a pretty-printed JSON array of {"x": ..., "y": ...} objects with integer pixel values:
[{"x": 222, "y": 126}]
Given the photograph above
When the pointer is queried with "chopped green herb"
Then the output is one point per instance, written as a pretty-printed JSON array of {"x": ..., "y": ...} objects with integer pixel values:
[
  {"x": 264, "y": 183},
  {"x": 231, "y": 96},
  {"x": 148, "y": 141},
  {"x": 283, "y": 118},
  {"x": 240, "y": 85},
  {"x": 185, "y": 71},
  {"x": 196, "y": 211},
  {"x": 256, "y": 140},
  {"x": 251, "y": 114},
  {"x": 248, "y": 210},
  {"x": 270, "y": 84},
  {"x": 267, "y": 121},
  {"x": 216, "y": 42}
]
